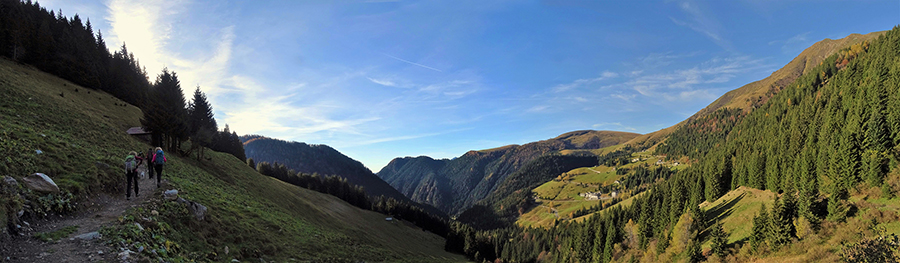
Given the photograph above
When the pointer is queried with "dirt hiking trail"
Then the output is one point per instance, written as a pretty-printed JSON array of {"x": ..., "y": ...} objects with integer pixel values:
[{"x": 103, "y": 209}]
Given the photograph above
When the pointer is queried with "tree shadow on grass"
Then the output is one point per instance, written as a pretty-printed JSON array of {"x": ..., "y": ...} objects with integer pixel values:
[{"x": 722, "y": 210}]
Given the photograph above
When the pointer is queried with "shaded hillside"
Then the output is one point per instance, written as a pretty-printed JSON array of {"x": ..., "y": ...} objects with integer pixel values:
[
  {"x": 454, "y": 185},
  {"x": 754, "y": 94},
  {"x": 513, "y": 195},
  {"x": 256, "y": 216},
  {"x": 319, "y": 159}
]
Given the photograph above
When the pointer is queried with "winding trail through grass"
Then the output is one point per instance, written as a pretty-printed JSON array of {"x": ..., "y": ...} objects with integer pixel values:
[
  {"x": 555, "y": 212},
  {"x": 103, "y": 209}
]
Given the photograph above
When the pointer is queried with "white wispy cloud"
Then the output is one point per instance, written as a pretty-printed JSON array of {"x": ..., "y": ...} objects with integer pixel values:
[
  {"x": 383, "y": 82},
  {"x": 539, "y": 108},
  {"x": 702, "y": 22},
  {"x": 453, "y": 89},
  {"x": 695, "y": 82},
  {"x": 240, "y": 101},
  {"x": 612, "y": 125},
  {"x": 400, "y": 138},
  {"x": 413, "y": 63},
  {"x": 259, "y": 111},
  {"x": 584, "y": 82},
  {"x": 794, "y": 43},
  {"x": 140, "y": 25}
]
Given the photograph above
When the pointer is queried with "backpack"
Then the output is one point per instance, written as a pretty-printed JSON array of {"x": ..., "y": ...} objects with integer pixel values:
[
  {"x": 130, "y": 163},
  {"x": 160, "y": 157}
]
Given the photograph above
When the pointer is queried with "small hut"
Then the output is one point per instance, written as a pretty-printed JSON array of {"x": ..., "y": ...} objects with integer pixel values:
[{"x": 140, "y": 133}]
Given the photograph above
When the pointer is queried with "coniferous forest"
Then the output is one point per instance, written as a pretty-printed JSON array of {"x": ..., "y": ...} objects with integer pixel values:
[{"x": 828, "y": 134}]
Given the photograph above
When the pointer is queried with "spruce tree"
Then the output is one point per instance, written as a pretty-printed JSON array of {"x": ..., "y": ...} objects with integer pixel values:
[
  {"x": 759, "y": 230},
  {"x": 718, "y": 240},
  {"x": 201, "y": 113},
  {"x": 874, "y": 167},
  {"x": 876, "y": 137},
  {"x": 809, "y": 185},
  {"x": 202, "y": 125},
  {"x": 167, "y": 114},
  {"x": 837, "y": 209},
  {"x": 777, "y": 232},
  {"x": 610, "y": 240}
]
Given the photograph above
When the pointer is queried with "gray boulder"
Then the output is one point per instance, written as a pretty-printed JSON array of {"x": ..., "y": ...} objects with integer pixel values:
[
  {"x": 89, "y": 236},
  {"x": 125, "y": 256},
  {"x": 9, "y": 181},
  {"x": 41, "y": 183},
  {"x": 170, "y": 194},
  {"x": 195, "y": 208},
  {"x": 101, "y": 165}
]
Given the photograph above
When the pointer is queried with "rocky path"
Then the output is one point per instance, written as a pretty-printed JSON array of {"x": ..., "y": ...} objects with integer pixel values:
[{"x": 81, "y": 246}]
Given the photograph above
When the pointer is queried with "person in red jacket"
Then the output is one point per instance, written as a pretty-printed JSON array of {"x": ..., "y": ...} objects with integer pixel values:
[{"x": 159, "y": 159}]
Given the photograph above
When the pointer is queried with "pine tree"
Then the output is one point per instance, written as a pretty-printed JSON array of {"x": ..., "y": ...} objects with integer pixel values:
[
  {"x": 167, "y": 114},
  {"x": 662, "y": 243},
  {"x": 876, "y": 137},
  {"x": 610, "y": 240},
  {"x": 837, "y": 209},
  {"x": 759, "y": 230},
  {"x": 773, "y": 232},
  {"x": 809, "y": 185},
  {"x": 874, "y": 167},
  {"x": 718, "y": 240},
  {"x": 201, "y": 113},
  {"x": 201, "y": 122},
  {"x": 251, "y": 163},
  {"x": 757, "y": 169}
]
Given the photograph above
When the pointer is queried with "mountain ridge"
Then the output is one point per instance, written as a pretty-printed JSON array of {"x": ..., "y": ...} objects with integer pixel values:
[
  {"x": 453, "y": 185},
  {"x": 751, "y": 95},
  {"x": 323, "y": 160}
]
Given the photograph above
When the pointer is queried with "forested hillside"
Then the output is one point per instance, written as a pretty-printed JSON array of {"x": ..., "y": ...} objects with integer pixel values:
[
  {"x": 319, "y": 160},
  {"x": 454, "y": 185},
  {"x": 513, "y": 196},
  {"x": 751, "y": 96},
  {"x": 826, "y": 146}
]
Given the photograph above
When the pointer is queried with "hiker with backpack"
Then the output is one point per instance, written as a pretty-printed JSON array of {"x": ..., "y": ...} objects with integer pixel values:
[
  {"x": 149, "y": 165},
  {"x": 132, "y": 162},
  {"x": 159, "y": 159}
]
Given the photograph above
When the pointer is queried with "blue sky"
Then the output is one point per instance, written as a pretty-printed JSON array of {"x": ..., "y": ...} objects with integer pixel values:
[{"x": 384, "y": 79}]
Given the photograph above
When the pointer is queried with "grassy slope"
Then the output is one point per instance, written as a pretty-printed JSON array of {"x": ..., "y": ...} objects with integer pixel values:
[
  {"x": 74, "y": 131},
  {"x": 254, "y": 212},
  {"x": 251, "y": 213},
  {"x": 737, "y": 208},
  {"x": 563, "y": 192}
]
